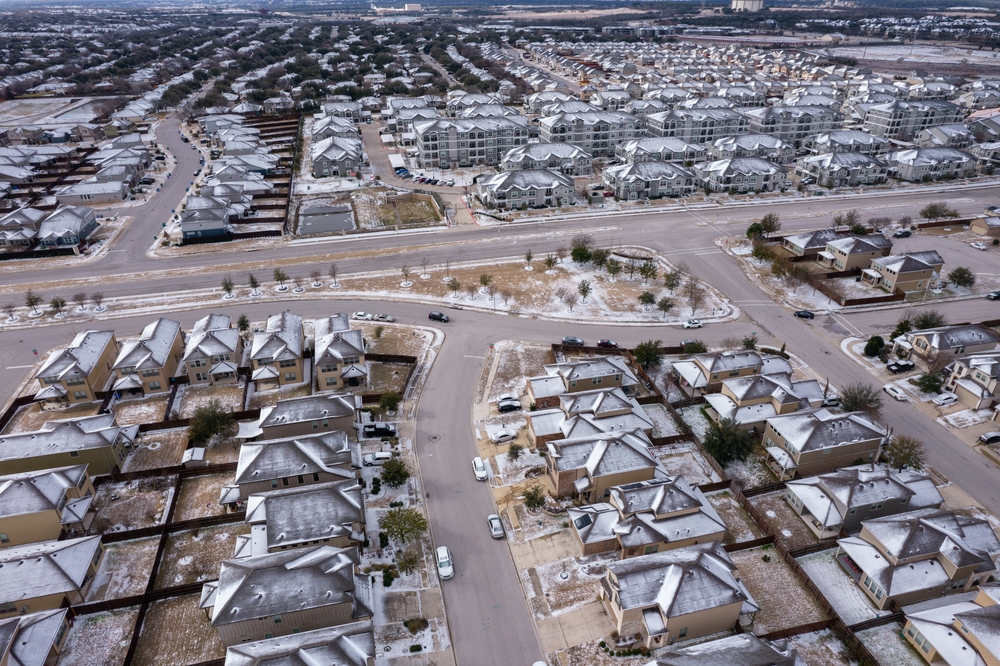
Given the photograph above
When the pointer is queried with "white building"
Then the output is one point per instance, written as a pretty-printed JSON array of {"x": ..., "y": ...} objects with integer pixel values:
[{"x": 526, "y": 188}]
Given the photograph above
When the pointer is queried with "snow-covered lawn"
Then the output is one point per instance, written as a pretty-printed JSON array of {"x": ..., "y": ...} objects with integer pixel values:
[
  {"x": 141, "y": 410},
  {"x": 783, "y": 521},
  {"x": 784, "y": 601},
  {"x": 803, "y": 297},
  {"x": 568, "y": 583},
  {"x": 157, "y": 448},
  {"x": 966, "y": 418},
  {"x": 752, "y": 472},
  {"x": 99, "y": 638},
  {"x": 514, "y": 471},
  {"x": 662, "y": 378},
  {"x": 695, "y": 419},
  {"x": 517, "y": 361},
  {"x": 663, "y": 423},
  {"x": 195, "y": 555},
  {"x": 230, "y": 397},
  {"x": 261, "y": 399},
  {"x": 535, "y": 525},
  {"x": 821, "y": 648},
  {"x": 889, "y": 647},
  {"x": 31, "y": 417},
  {"x": 126, "y": 567},
  {"x": 199, "y": 496},
  {"x": 739, "y": 525},
  {"x": 684, "y": 459},
  {"x": 175, "y": 631},
  {"x": 396, "y": 338},
  {"x": 139, "y": 503},
  {"x": 840, "y": 590}
]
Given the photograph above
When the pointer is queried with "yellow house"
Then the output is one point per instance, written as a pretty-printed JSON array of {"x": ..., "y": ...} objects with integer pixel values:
[
  {"x": 704, "y": 373},
  {"x": 590, "y": 465},
  {"x": 752, "y": 399},
  {"x": 987, "y": 225},
  {"x": 308, "y": 415},
  {"x": 906, "y": 272},
  {"x": 43, "y": 505},
  {"x": 276, "y": 352},
  {"x": 44, "y": 576},
  {"x": 78, "y": 372},
  {"x": 213, "y": 350},
  {"x": 594, "y": 372},
  {"x": 960, "y": 339},
  {"x": 96, "y": 441},
  {"x": 146, "y": 364},
  {"x": 662, "y": 596},
  {"x": 960, "y": 632},
  {"x": 847, "y": 254},
  {"x": 975, "y": 379},
  {"x": 339, "y": 360},
  {"x": 817, "y": 441},
  {"x": 920, "y": 555}
]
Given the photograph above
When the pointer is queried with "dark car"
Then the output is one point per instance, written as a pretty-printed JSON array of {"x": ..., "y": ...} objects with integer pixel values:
[
  {"x": 902, "y": 233},
  {"x": 610, "y": 344},
  {"x": 432, "y": 181},
  {"x": 504, "y": 406},
  {"x": 185, "y": 139},
  {"x": 897, "y": 367},
  {"x": 572, "y": 341},
  {"x": 804, "y": 314},
  {"x": 993, "y": 296},
  {"x": 146, "y": 181},
  {"x": 378, "y": 430},
  {"x": 438, "y": 316},
  {"x": 990, "y": 438}
]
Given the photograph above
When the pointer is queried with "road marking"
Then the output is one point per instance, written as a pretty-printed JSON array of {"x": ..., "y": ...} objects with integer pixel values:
[
  {"x": 481, "y": 358},
  {"x": 19, "y": 367},
  {"x": 848, "y": 325},
  {"x": 698, "y": 254}
]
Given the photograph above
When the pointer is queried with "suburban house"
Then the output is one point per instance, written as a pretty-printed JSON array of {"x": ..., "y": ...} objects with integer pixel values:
[
  {"x": 964, "y": 632},
  {"x": 953, "y": 340},
  {"x": 331, "y": 514},
  {"x": 339, "y": 361},
  {"x": 986, "y": 225},
  {"x": 96, "y": 441},
  {"x": 646, "y": 517},
  {"x": 810, "y": 243},
  {"x": 292, "y": 461},
  {"x": 975, "y": 379},
  {"x": 276, "y": 352},
  {"x": 93, "y": 191},
  {"x": 588, "y": 413},
  {"x": 752, "y": 399},
  {"x": 675, "y": 595},
  {"x": 78, "y": 372},
  {"x": 742, "y": 649},
  {"x": 816, "y": 441},
  {"x": 289, "y": 592},
  {"x": 904, "y": 272},
  {"x": 739, "y": 175},
  {"x": 854, "y": 252},
  {"x": 307, "y": 415},
  {"x": 33, "y": 640},
  {"x": 589, "y": 465},
  {"x": 48, "y": 575},
  {"x": 213, "y": 351},
  {"x": 920, "y": 555},
  {"x": 704, "y": 372},
  {"x": 344, "y": 645},
  {"x": 526, "y": 188},
  {"x": 648, "y": 180},
  {"x": 69, "y": 226},
  {"x": 19, "y": 229},
  {"x": 44, "y": 505},
  {"x": 565, "y": 158},
  {"x": 147, "y": 364},
  {"x": 336, "y": 156},
  {"x": 841, "y": 500}
]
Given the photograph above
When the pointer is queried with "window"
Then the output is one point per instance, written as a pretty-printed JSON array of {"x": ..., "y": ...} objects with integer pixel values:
[
  {"x": 877, "y": 506},
  {"x": 328, "y": 368},
  {"x": 300, "y": 479},
  {"x": 331, "y": 381},
  {"x": 287, "y": 364},
  {"x": 80, "y": 395},
  {"x": 4, "y": 538},
  {"x": 315, "y": 476},
  {"x": 853, "y": 511},
  {"x": 572, "y": 384},
  {"x": 154, "y": 386},
  {"x": 284, "y": 481},
  {"x": 274, "y": 483},
  {"x": 289, "y": 376},
  {"x": 201, "y": 376},
  {"x": 74, "y": 454},
  {"x": 8, "y": 607},
  {"x": 683, "y": 632},
  {"x": 277, "y": 619},
  {"x": 151, "y": 373},
  {"x": 650, "y": 549},
  {"x": 597, "y": 380}
]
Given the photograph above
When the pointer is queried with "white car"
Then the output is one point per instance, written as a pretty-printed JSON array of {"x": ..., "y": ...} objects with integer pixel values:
[
  {"x": 979, "y": 246},
  {"x": 896, "y": 392},
  {"x": 692, "y": 323},
  {"x": 479, "y": 469},
  {"x": 445, "y": 565},
  {"x": 363, "y": 316},
  {"x": 495, "y": 525},
  {"x": 946, "y": 398},
  {"x": 503, "y": 435}
]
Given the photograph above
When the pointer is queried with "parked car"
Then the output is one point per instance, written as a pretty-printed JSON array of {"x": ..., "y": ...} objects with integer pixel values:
[
  {"x": 378, "y": 430},
  {"x": 495, "y": 525},
  {"x": 946, "y": 398},
  {"x": 508, "y": 405},
  {"x": 450, "y": 182},
  {"x": 990, "y": 438},
  {"x": 993, "y": 296},
  {"x": 432, "y": 181},
  {"x": 897, "y": 367},
  {"x": 692, "y": 323},
  {"x": 479, "y": 469},
  {"x": 384, "y": 317},
  {"x": 203, "y": 142},
  {"x": 375, "y": 459},
  {"x": 896, "y": 392},
  {"x": 363, "y": 316},
  {"x": 445, "y": 565},
  {"x": 609, "y": 344},
  {"x": 438, "y": 316},
  {"x": 979, "y": 246},
  {"x": 185, "y": 139},
  {"x": 146, "y": 181},
  {"x": 160, "y": 158},
  {"x": 503, "y": 435},
  {"x": 572, "y": 341},
  {"x": 831, "y": 401},
  {"x": 902, "y": 233},
  {"x": 804, "y": 314}
]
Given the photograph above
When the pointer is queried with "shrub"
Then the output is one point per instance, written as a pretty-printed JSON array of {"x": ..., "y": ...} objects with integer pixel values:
[
  {"x": 929, "y": 382},
  {"x": 416, "y": 625},
  {"x": 534, "y": 497},
  {"x": 383, "y": 540},
  {"x": 416, "y": 648},
  {"x": 387, "y": 577},
  {"x": 208, "y": 421},
  {"x": 874, "y": 346}
]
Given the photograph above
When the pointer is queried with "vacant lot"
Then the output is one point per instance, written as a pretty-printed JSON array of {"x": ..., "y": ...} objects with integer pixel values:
[
  {"x": 787, "y": 526},
  {"x": 230, "y": 397},
  {"x": 129, "y": 505},
  {"x": 739, "y": 525},
  {"x": 128, "y": 565},
  {"x": 199, "y": 496},
  {"x": 194, "y": 555},
  {"x": 141, "y": 410},
  {"x": 99, "y": 638},
  {"x": 395, "y": 339},
  {"x": 783, "y": 599},
  {"x": 156, "y": 449},
  {"x": 31, "y": 417},
  {"x": 176, "y": 633},
  {"x": 518, "y": 361}
]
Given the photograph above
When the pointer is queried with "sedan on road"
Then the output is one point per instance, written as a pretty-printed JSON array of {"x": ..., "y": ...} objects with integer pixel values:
[
  {"x": 445, "y": 565},
  {"x": 479, "y": 469},
  {"x": 979, "y": 246},
  {"x": 572, "y": 341},
  {"x": 896, "y": 392},
  {"x": 363, "y": 316},
  {"x": 692, "y": 323},
  {"x": 804, "y": 314},
  {"x": 495, "y": 525},
  {"x": 384, "y": 317},
  {"x": 990, "y": 438},
  {"x": 609, "y": 344},
  {"x": 946, "y": 398},
  {"x": 993, "y": 296},
  {"x": 438, "y": 316}
]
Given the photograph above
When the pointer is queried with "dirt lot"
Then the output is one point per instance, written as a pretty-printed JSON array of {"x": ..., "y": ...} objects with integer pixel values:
[
  {"x": 230, "y": 396},
  {"x": 199, "y": 496},
  {"x": 130, "y": 564},
  {"x": 194, "y": 555},
  {"x": 387, "y": 377},
  {"x": 30, "y": 417},
  {"x": 399, "y": 340},
  {"x": 784, "y": 522},
  {"x": 157, "y": 448},
  {"x": 518, "y": 361},
  {"x": 783, "y": 599},
  {"x": 141, "y": 410},
  {"x": 140, "y": 503},
  {"x": 222, "y": 452},
  {"x": 175, "y": 633},
  {"x": 99, "y": 638},
  {"x": 739, "y": 525}
]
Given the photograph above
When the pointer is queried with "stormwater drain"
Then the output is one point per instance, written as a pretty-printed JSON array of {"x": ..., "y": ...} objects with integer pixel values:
[
  {"x": 564, "y": 575},
  {"x": 435, "y": 438}
]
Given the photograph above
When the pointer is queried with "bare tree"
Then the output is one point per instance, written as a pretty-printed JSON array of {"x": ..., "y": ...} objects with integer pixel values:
[
  {"x": 561, "y": 252},
  {"x": 80, "y": 298},
  {"x": 10, "y": 310},
  {"x": 694, "y": 293},
  {"x": 97, "y": 298},
  {"x": 297, "y": 281},
  {"x": 560, "y": 293},
  {"x": 332, "y": 272},
  {"x": 315, "y": 275},
  {"x": 506, "y": 295},
  {"x": 447, "y": 267},
  {"x": 571, "y": 300},
  {"x": 632, "y": 264},
  {"x": 731, "y": 342},
  {"x": 423, "y": 266},
  {"x": 405, "y": 270},
  {"x": 879, "y": 223},
  {"x": 471, "y": 290}
]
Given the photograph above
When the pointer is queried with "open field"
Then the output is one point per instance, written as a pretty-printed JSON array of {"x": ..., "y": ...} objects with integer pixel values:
[
  {"x": 399, "y": 340},
  {"x": 517, "y": 361}
]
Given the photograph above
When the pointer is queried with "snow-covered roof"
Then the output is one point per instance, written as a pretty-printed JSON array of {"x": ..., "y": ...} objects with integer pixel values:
[
  {"x": 49, "y": 568},
  {"x": 293, "y": 516},
  {"x": 344, "y": 645},
  {"x": 524, "y": 179},
  {"x": 281, "y": 339},
  {"x": 78, "y": 359},
  {"x": 151, "y": 350},
  {"x": 819, "y": 429},
  {"x": 738, "y": 650},
  {"x": 64, "y": 435},
  {"x": 329, "y": 452}
]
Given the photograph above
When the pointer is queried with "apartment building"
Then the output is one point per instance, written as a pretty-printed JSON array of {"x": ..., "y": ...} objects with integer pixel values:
[
  {"x": 78, "y": 372},
  {"x": 793, "y": 124},
  {"x": 847, "y": 141},
  {"x": 529, "y": 188},
  {"x": 764, "y": 146},
  {"x": 903, "y": 119},
  {"x": 698, "y": 125},
  {"x": 147, "y": 363},
  {"x": 597, "y": 132},
  {"x": 921, "y": 164},
  {"x": 648, "y": 180},
  {"x": 740, "y": 175},
  {"x": 660, "y": 149},
  {"x": 843, "y": 169},
  {"x": 468, "y": 142},
  {"x": 565, "y": 158}
]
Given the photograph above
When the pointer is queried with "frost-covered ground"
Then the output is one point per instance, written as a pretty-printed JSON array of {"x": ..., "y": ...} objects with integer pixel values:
[
  {"x": 739, "y": 525},
  {"x": 99, "y": 638},
  {"x": 924, "y": 53},
  {"x": 802, "y": 297},
  {"x": 821, "y": 648},
  {"x": 566, "y": 584},
  {"x": 663, "y": 423},
  {"x": 840, "y": 590},
  {"x": 966, "y": 418},
  {"x": 684, "y": 459},
  {"x": 514, "y": 471},
  {"x": 695, "y": 419},
  {"x": 886, "y": 645},
  {"x": 661, "y": 376},
  {"x": 784, "y": 601}
]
